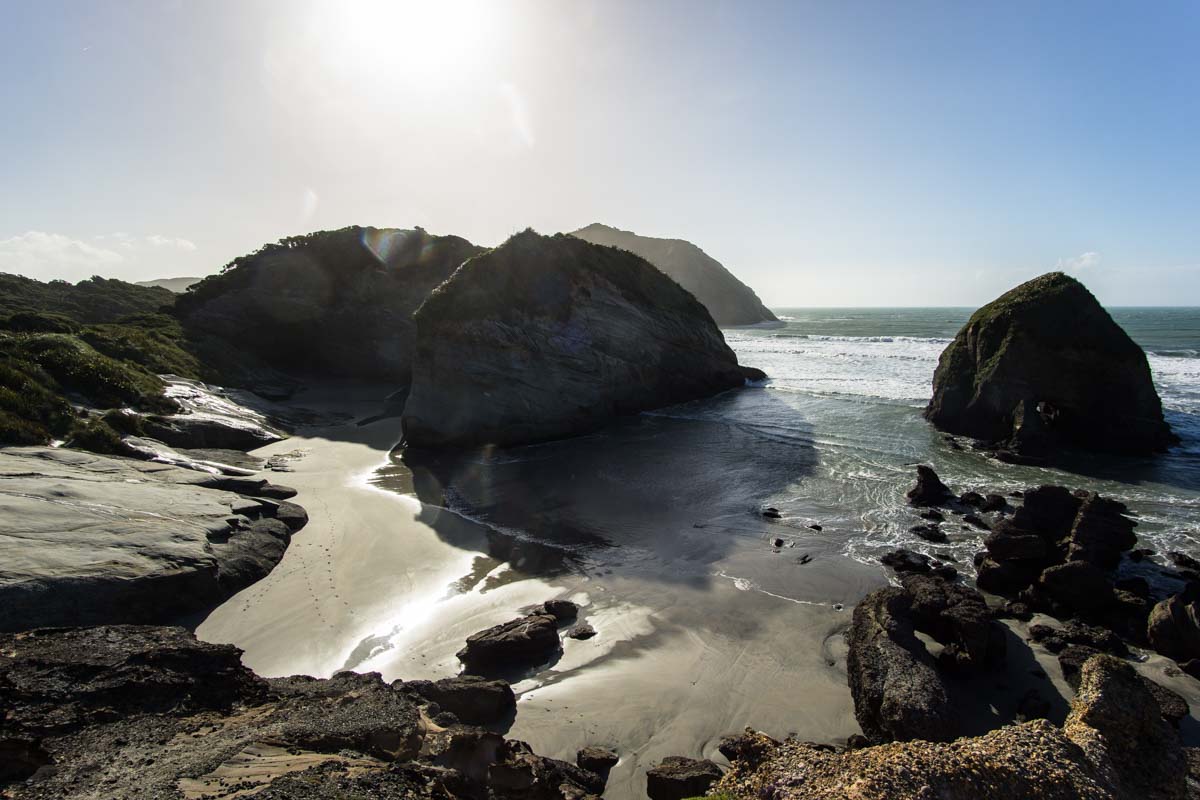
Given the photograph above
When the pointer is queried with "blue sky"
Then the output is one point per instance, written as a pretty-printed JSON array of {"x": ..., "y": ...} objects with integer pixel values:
[{"x": 828, "y": 153}]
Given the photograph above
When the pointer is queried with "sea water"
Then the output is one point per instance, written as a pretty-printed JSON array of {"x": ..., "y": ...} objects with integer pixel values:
[{"x": 859, "y": 379}]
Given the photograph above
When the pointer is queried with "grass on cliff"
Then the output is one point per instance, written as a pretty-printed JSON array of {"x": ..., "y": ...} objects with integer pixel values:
[{"x": 40, "y": 372}]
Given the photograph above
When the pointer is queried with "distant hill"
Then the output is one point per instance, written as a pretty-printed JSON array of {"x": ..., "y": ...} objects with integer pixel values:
[
  {"x": 96, "y": 300},
  {"x": 728, "y": 300},
  {"x": 176, "y": 285}
]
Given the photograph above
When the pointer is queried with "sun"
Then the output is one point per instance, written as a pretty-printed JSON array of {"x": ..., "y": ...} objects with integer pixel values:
[{"x": 435, "y": 41}]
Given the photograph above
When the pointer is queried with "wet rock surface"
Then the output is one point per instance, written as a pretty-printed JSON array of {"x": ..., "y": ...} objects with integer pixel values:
[
  {"x": 85, "y": 540},
  {"x": 141, "y": 711},
  {"x": 1043, "y": 368}
]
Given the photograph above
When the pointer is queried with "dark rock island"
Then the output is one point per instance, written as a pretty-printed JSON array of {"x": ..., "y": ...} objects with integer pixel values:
[
  {"x": 1044, "y": 366},
  {"x": 551, "y": 336}
]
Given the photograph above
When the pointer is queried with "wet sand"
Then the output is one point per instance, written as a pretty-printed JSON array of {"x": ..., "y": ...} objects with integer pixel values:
[{"x": 378, "y": 581}]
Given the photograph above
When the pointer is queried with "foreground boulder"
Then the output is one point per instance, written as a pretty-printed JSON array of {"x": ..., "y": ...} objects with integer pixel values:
[
  {"x": 677, "y": 778},
  {"x": 511, "y": 646},
  {"x": 85, "y": 540},
  {"x": 333, "y": 303},
  {"x": 547, "y": 337},
  {"x": 138, "y": 711},
  {"x": 1114, "y": 746},
  {"x": 1174, "y": 625},
  {"x": 730, "y": 301},
  {"x": 1045, "y": 367},
  {"x": 898, "y": 694}
]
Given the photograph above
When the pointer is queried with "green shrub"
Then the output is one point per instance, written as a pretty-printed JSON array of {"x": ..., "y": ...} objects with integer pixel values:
[
  {"x": 96, "y": 436},
  {"x": 39, "y": 322}
]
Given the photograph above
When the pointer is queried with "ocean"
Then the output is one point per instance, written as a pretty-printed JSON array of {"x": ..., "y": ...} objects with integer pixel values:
[{"x": 855, "y": 381}]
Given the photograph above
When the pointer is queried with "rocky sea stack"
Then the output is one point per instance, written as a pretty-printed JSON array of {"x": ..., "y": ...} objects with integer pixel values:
[
  {"x": 730, "y": 301},
  {"x": 551, "y": 336},
  {"x": 331, "y": 303},
  {"x": 1044, "y": 366}
]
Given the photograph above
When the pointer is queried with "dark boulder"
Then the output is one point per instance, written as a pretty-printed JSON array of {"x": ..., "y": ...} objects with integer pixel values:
[
  {"x": 1045, "y": 367},
  {"x": 678, "y": 778},
  {"x": 897, "y": 692},
  {"x": 549, "y": 337},
  {"x": 973, "y": 499},
  {"x": 1074, "y": 632},
  {"x": 472, "y": 699},
  {"x": 1006, "y": 577},
  {"x": 1174, "y": 626},
  {"x": 905, "y": 560},
  {"x": 1077, "y": 586},
  {"x": 581, "y": 631},
  {"x": 959, "y": 618},
  {"x": 1100, "y": 533},
  {"x": 994, "y": 502},
  {"x": 930, "y": 533},
  {"x": 518, "y": 644},
  {"x": 596, "y": 759},
  {"x": 1011, "y": 544},
  {"x": 561, "y": 610},
  {"x": 929, "y": 489}
]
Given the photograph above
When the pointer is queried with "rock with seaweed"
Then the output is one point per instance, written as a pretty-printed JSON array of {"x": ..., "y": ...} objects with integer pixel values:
[
  {"x": 1044, "y": 367},
  {"x": 730, "y": 301},
  {"x": 551, "y": 336}
]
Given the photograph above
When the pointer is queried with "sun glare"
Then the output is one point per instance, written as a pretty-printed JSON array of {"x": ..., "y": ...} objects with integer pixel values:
[{"x": 404, "y": 40}]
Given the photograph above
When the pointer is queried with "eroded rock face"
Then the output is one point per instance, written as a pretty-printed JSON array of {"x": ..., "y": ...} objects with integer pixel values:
[
  {"x": 334, "y": 303},
  {"x": 1114, "y": 746},
  {"x": 1045, "y": 367},
  {"x": 677, "y": 778},
  {"x": 547, "y": 337},
  {"x": 85, "y": 540},
  {"x": 897, "y": 692},
  {"x": 1174, "y": 625},
  {"x": 130, "y": 712},
  {"x": 730, "y": 301},
  {"x": 473, "y": 699}
]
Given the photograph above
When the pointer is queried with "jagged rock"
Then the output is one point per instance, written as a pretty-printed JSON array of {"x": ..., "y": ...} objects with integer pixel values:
[
  {"x": 1074, "y": 632},
  {"x": 473, "y": 699},
  {"x": 561, "y": 610},
  {"x": 905, "y": 560},
  {"x": 1005, "y": 577},
  {"x": 1115, "y": 746},
  {"x": 547, "y": 337},
  {"x": 678, "y": 778},
  {"x": 897, "y": 692},
  {"x": 930, "y": 533},
  {"x": 1078, "y": 585},
  {"x": 581, "y": 631},
  {"x": 520, "y": 643},
  {"x": 977, "y": 521},
  {"x": 336, "y": 303},
  {"x": 1006, "y": 543},
  {"x": 1174, "y": 626},
  {"x": 1045, "y": 367},
  {"x": 994, "y": 502},
  {"x": 748, "y": 747},
  {"x": 1118, "y": 723},
  {"x": 139, "y": 711},
  {"x": 929, "y": 489},
  {"x": 596, "y": 759},
  {"x": 959, "y": 618},
  {"x": 974, "y": 499},
  {"x": 1100, "y": 533},
  {"x": 729, "y": 300},
  {"x": 85, "y": 540}
]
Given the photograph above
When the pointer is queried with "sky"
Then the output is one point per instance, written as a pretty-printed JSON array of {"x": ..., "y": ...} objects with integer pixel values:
[{"x": 828, "y": 153}]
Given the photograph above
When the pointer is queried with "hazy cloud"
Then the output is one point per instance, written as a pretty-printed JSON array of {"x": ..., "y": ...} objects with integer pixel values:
[
  {"x": 1079, "y": 263},
  {"x": 47, "y": 256}
]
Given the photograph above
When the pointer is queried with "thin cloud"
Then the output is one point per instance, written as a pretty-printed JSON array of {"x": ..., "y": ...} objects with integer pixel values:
[
  {"x": 49, "y": 256},
  {"x": 1079, "y": 263}
]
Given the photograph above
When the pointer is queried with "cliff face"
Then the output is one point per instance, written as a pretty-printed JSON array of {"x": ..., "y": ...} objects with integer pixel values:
[
  {"x": 730, "y": 301},
  {"x": 1044, "y": 366},
  {"x": 546, "y": 337},
  {"x": 336, "y": 303}
]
